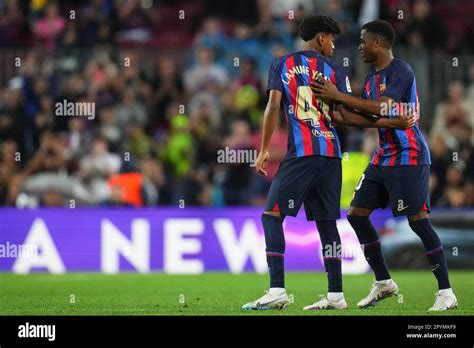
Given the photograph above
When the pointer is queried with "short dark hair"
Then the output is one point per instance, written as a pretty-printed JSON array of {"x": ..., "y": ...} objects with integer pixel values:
[
  {"x": 382, "y": 28},
  {"x": 316, "y": 23}
]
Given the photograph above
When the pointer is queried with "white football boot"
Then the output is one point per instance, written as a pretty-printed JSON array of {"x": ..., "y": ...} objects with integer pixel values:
[
  {"x": 326, "y": 303},
  {"x": 380, "y": 290},
  {"x": 445, "y": 300},
  {"x": 269, "y": 301}
]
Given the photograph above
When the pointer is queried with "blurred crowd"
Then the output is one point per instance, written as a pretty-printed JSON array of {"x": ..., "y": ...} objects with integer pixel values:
[{"x": 174, "y": 82}]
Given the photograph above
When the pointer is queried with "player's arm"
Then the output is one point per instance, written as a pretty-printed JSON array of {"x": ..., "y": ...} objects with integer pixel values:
[
  {"x": 327, "y": 90},
  {"x": 270, "y": 119},
  {"x": 351, "y": 118}
]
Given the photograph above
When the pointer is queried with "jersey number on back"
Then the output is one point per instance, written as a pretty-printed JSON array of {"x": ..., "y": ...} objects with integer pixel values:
[{"x": 306, "y": 111}]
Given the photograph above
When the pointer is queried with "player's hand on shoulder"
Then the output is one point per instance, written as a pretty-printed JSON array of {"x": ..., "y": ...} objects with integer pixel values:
[
  {"x": 325, "y": 90},
  {"x": 261, "y": 163}
]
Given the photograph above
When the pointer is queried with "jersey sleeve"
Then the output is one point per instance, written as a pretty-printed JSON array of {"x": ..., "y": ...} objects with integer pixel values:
[
  {"x": 363, "y": 93},
  {"x": 398, "y": 82},
  {"x": 274, "y": 76},
  {"x": 342, "y": 80}
]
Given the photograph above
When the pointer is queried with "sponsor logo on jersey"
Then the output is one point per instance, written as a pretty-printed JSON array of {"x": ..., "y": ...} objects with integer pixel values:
[{"x": 321, "y": 133}]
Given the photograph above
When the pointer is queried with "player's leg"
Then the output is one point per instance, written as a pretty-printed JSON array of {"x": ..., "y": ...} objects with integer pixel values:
[
  {"x": 418, "y": 198},
  {"x": 408, "y": 188},
  {"x": 272, "y": 222},
  {"x": 284, "y": 198},
  {"x": 331, "y": 250},
  {"x": 370, "y": 194},
  {"x": 275, "y": 297},
  {"x": 445, "y": 297},
  {"x": 359, "y": 218},
  {"x": 322, "y": 204}
]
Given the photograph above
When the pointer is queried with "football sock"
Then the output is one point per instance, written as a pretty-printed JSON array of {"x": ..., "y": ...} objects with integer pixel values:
[
  {"x": 370, "y": 242},
  {"x": 276, "y": 291},
  {"x": 275, "y": 249},
  {"x": 434, "y": 251},
  {"x": 331, "y": 250},
  {"x": 446, "y": 291},
  {"x": 335, "y": 296}
]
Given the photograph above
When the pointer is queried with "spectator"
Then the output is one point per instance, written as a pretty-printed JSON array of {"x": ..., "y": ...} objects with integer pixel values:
[
  {"x": 238, "y": 176},
  {"x": 178, "y": 151},
  {"x": 50, "y": 157},
  {"x": 130, "y": 110},
  {"x": 213, "y": 37},
  {"x": 109, "y": 127},
  {"x": 206, "y": 75},
  {"x": 155, "y": 190},
  {"x": 441, "y": 158},
  {"x": 248, "y": 76},
  {"x": 76, "y": 138},
  {"x": 168, "y": 87},
  {"x": 453, "y": 115},
  {"x": 13, "y": 27},
  {"x": 97, "y": 166},
  {"x": 454, "y": 194},
  {"x": 137, "y": 142},
  {"x": 49, "y": 28},
  {"x": 426, "y": 28}
]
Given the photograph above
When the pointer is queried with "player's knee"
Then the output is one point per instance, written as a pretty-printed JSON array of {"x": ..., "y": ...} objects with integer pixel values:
[
  {"x": 356, "y": 221},
  {"x": 424, "y": 230},
  {"x": 354, "y": 211},
  {"x": 358, "y": 217},
  {"x": 421, "y": 215},
  {"x": 363, "y": 228}
]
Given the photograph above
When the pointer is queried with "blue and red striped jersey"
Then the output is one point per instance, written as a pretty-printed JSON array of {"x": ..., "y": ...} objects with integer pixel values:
[
  {"x": 310, "y": 128},
  {"x": 397, "y": 146}
]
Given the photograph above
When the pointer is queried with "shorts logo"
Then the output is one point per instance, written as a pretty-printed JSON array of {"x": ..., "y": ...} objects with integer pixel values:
[
  {"x": 400, "y": 206},
  {"x": 435, "y": 267}
]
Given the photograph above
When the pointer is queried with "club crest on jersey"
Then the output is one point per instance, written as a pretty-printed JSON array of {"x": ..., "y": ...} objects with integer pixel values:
[{"x": 382, "y": 87}]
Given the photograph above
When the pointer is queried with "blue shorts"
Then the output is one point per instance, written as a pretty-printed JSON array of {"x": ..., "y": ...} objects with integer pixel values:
[
  {"x": 313, "y": 180},
  {"x": 405, "y": 188}
]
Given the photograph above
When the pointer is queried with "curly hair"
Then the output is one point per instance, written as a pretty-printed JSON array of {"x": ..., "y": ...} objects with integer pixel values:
[{"x": 315, "y": 23}]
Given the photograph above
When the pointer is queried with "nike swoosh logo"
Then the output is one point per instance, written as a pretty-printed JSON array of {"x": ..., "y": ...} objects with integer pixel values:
[
  {"x": 435, "y": 267},
  {"x": 402, "y": 208},
  {"x": 259, "y": 304}
]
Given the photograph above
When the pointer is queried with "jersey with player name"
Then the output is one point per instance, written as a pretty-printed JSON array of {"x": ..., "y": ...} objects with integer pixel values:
[
  {"x": 310, "y": 128},
  {"x": 397, "y": 146}
]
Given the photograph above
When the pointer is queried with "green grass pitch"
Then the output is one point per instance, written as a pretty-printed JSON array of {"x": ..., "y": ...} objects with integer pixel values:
[{"x": 212, "y": 294}]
